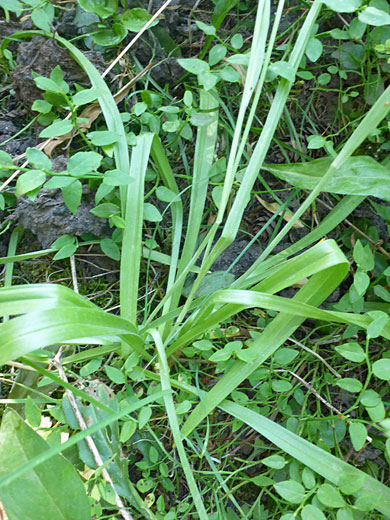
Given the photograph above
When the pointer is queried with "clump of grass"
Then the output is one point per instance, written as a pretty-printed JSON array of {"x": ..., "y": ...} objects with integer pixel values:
[{"x": 144, "y": 379}]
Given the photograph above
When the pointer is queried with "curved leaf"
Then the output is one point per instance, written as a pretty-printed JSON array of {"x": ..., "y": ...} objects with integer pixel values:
[
  {"x": 40, "y": 329},
  {"x": 359, "y": 175},
  {"x": 51, "y": 490}
]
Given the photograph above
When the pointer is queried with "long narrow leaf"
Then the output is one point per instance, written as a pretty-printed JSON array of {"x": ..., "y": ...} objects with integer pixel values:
[
  {"x": 316, "y": 290},
  {"x": 320, "y": 461},
  {"x": 132, "y": 233},
  {"x": 40, "y": 329}
]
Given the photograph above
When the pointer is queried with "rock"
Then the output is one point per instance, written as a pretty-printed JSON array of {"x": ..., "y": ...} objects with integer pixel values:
[
  {"x": 41, "y": 55},
  {"x": 48, "y": 218}
]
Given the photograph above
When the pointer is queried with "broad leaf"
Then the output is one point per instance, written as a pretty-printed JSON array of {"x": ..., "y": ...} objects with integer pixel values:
[
  {"x": 359, "y": 175},
  {"x": 38, "y": 159},
  {"x": 52, "y": 489},
  {"x": 135, "y": 19},
  {"x": 82, "y": 163},
  {"x": 12, "y": 5},
  {"x": 85, "y": 96},
  {"x": 72, "y": 195},
  {"x": 103, "y": 137},
  {"x": 193, "y": 65},
  {"x": 56, "y": 129},
  {"x": 29, "y": 181},
  {"x": 103, "y": 8},
  {"x": 374, "y": 16},
  {"x": 343, "y": 6}
]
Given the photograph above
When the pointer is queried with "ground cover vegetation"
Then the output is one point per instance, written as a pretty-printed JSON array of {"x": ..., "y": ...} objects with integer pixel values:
[{"x": 195, "y": 286}]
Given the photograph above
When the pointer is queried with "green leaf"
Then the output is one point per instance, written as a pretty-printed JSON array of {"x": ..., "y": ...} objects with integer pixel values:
[
  {"x": 370, "y": 398},
  {"x": 280, "y": 385},
  {"x": 216, "y": 54},
  {"x": 166, "y": 195},
  {"x": 44, "y": 491},
  {"x": 328, "y": 466},
  {"x": 215, "y": 281},
  {"x": 239, "y": 59},
  {"x": 315, "y": 142},
  {"x": 381, "y": 369},
  {"x": 72, "y": 195},
  {"x": 105, "y": 210},
  {"x": 310, "y": 512},
  {"x": 103, "y": 137},
  {"x": 143, "y": 416},
  {"x": 324, "y": 79},
  {"x": 374, "y": 16},
  {"x": 56, "y": 129},
  {"x": 59, "y": 181},
  {"x": 193, "y": 65},
  {"x": 361, "y": 281},
  {"x": 116, "y": 178},
  {"x": 262, "y": 481},
  {"x": 110, "y": 248},
  {"x": 283, "y": 69},
  {"x": 103, "y": 8},
  {"x": 380, "y": 320},
  {"x": 216, "y": 195},
  {"x": 291, "y": 491},
  {"x": 330, "y": 496},
  {"x": 128, "y": 429},
  {"x": 33, "y": 413},
  {"x": 202, "y": 118},
  {"x": 351, "y": 55},
  {"x": 363, "y": 256},
  {"x": 237, "y": 41},
  {"x": 359, "y": 175},
  {"x": 352, "y": 351},
  {"x": 12, "y": 5},
  {"x": 115, "y": 375},
  {"x": 183, "y": 407},
  {"x": 343, "y": 6},
  {"x": 308, "y": 478},
  {"x": 382, "y": 293},
  {"x": 5, "y": 159},
  {"x": 135, "y": 19},
  {"x": 112, "y": 36},
  {"x": 38, "y": 159},
  {"x": 208, "y": 80},
  {"x": 203, "y": 345},
  {"x": 82, "y": 163},
  {"x": 220, "y": 355},
  {"x": 66, "y": 251},
  {"x": 345, "y": 514},
  {"x": 349, "y": 384},
  {"x": 42, "y": 106},
  {"x": 207, "y": 29},
  {"x": 91, "y": 367},
  {"x": 229, "y": 74},
  {"x": 314, "y": 49},
  {"x": 42, "y": 19},
  {"x": 284, "y": 356},
  {"x": 63, "y": 241},
  {"x": 274, "y": 461},
  {"x": 356, "y": 29},
  {"x": 350, "y": 483},
  {"x": 151, "y": 213},
  {"x": 85, "y": 96},
  {"x": 48, "y": 84},
  {"x": 29, "y": 181},
  {"x": 366, "y": 502}
]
